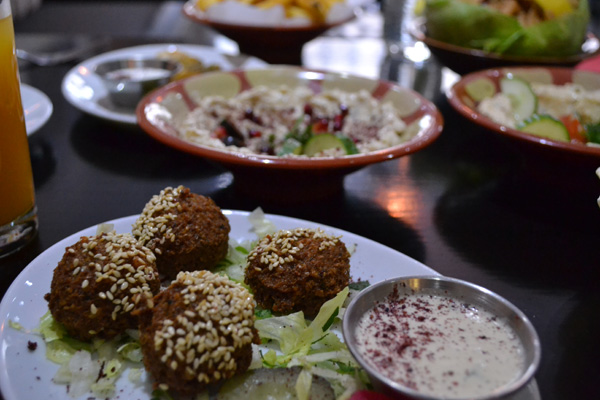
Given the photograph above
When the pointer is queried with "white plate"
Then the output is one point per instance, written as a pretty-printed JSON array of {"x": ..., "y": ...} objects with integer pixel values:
[
  {"x": 85, "y": 91},
  {"x": 26, "y": 375},
  {"x": 36, "y": 106}
]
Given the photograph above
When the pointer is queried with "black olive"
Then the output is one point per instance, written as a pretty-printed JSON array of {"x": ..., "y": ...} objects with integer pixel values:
[{"x": 233, "y": 137}]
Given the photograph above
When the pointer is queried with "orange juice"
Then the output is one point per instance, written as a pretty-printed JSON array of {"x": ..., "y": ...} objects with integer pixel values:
[{"x": 16, "y": 182}]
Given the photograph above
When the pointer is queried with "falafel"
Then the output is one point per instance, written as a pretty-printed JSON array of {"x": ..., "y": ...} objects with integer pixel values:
[
  {"x": 186, "y": 231},
  {"x": 98, "y": 283},
  {"x": 199, "y": 332},
  {"x": 297, "y": 270}
]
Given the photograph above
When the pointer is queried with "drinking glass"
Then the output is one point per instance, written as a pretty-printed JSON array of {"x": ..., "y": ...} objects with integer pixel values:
[{"x": 18, "y": 213}]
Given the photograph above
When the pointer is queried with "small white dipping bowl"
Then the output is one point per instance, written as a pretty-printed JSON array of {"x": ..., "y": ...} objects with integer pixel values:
[
  {"x": 471, "y": 298},
  {"x": 128, "y": 80}
]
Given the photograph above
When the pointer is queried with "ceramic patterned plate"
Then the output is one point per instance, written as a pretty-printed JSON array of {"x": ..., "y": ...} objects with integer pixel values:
[
  {"x": 466, "y": 104},
  {"x": 162, "y": 111},
  {"x": 285, "y": 179}
]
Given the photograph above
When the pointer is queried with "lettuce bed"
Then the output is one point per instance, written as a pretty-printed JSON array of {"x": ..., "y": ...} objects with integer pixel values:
[{"x": 480, "y": 27}]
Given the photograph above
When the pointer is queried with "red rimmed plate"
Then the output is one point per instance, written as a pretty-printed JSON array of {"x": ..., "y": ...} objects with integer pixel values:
[
  {"x": 466, "y": 105},
  {"x": 271, "y": 177}
]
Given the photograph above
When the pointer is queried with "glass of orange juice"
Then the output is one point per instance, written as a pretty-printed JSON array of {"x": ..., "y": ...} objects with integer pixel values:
[{"x": 18, "y": 213}]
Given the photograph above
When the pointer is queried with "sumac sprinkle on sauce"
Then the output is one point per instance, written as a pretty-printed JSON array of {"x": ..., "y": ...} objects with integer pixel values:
[{"x": 439, "y": 346}]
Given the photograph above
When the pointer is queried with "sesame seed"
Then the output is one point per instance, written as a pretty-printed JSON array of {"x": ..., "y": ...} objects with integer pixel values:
[
  {"x": 276, "y": 250},
  {"x": 218, "y": 320},
  {"x": 156, "y": 216}
]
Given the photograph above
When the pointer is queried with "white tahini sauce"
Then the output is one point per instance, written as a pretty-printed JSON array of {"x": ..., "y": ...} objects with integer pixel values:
[{"x": 439, "y": 346}]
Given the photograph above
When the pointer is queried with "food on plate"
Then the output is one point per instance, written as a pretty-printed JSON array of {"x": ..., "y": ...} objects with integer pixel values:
[
  {"x": 442, "y": 347},
  {"x": 203, "y": 328},
  {"x": 295, "y": 122},
  {"x": 99, "y": 282},
  {"x": 294, "y": 341},
  {"x": 567, "y": 113},
  {"x": 549, "y": 28},
  {"x": 293, "y": 12},
  {"x": 297, "y": 270},
  {"x": 189, "y": 65},
  {"x": 199, "y": 332},
  {"x": 186, "y": 231}
]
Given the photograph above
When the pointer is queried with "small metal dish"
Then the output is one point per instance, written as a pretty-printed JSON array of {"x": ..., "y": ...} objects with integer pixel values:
[
  {"x": 129, "y": 80},
  {"x": 463, "y": 292}
]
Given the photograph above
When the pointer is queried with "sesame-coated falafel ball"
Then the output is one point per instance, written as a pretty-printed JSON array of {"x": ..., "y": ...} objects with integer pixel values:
[
  {"x": 199, "y": 332},
  {"x": 97, "y": 284},
  {"x": 297, "y": 270},
  {"x": 186, "y": 231}
]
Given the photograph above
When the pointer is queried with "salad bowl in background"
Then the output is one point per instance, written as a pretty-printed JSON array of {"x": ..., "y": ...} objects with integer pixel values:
[
  {"x": 285, "y": 179},
  {"x": 465, "y": 103},
  {"x": 467, "y": 36},
  {"x": 464, "y": 60},
  {"x": 274, "y": 43}
]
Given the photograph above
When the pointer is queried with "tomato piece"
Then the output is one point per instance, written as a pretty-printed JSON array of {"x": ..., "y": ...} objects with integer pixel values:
[
  {"x": 574, "y": 127},
  {"x": 220, "y": 132},
  {"x": 255, "y": 134},
  {"x": 321, "y": 126}
]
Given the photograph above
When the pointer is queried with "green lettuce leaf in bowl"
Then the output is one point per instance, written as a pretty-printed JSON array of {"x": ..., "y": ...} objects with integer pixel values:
[{"x": 480, "y": 27}]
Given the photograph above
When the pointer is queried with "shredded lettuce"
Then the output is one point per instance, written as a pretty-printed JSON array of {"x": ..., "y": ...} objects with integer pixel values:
[
  {"x": 262, "y": 226},
  {"x": 234, "y": 264},
  {"x": 16, "y": 325},
  {"x": 314, "y": 347},
  {"x": 132, "y": 351},
  {"x": 86, "y": 367},
  {"x": 303, "y": 385},
  {"x": 50, "y": 329},
  {"x": 104, "y": 228}
]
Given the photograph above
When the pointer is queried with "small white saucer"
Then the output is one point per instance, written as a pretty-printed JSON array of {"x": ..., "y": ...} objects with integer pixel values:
[
  {"x": 36, "y": 106},
  {"x": 85, "y": 91}
]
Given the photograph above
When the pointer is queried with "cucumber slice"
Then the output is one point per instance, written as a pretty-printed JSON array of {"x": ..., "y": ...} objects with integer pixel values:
[
  {"x": 524, "y": 102},
  {"x": 547, "y": 127},
  {"x": 290, "y": 146},
  {"x": 480, "y": 89},
  {"x": 348, "y": 144},
  {"x": 325, "y": 141}
]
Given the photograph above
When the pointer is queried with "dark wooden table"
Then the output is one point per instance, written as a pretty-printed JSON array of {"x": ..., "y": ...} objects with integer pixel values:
[{"x": 472, "y": 206}]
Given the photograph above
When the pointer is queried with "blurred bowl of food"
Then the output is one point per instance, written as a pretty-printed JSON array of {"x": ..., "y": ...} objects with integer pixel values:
[
  {"x": 433, "y": 337},
  {"x": 127, "y": 80},
  {"x": 272, "y": 30},
  {"x": 547, "y": 108},
  {"x": 467, "y": 37},
  {"x": 288, "y": 133}
]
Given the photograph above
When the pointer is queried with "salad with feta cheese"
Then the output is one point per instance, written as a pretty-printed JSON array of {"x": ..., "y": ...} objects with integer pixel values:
[{"x": 566, "y": 113}]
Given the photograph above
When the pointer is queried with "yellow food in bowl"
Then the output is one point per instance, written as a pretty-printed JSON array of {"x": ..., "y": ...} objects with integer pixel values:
[
  {"x": 190, "y": 65},
  {"x": 313, "y": 10}
]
